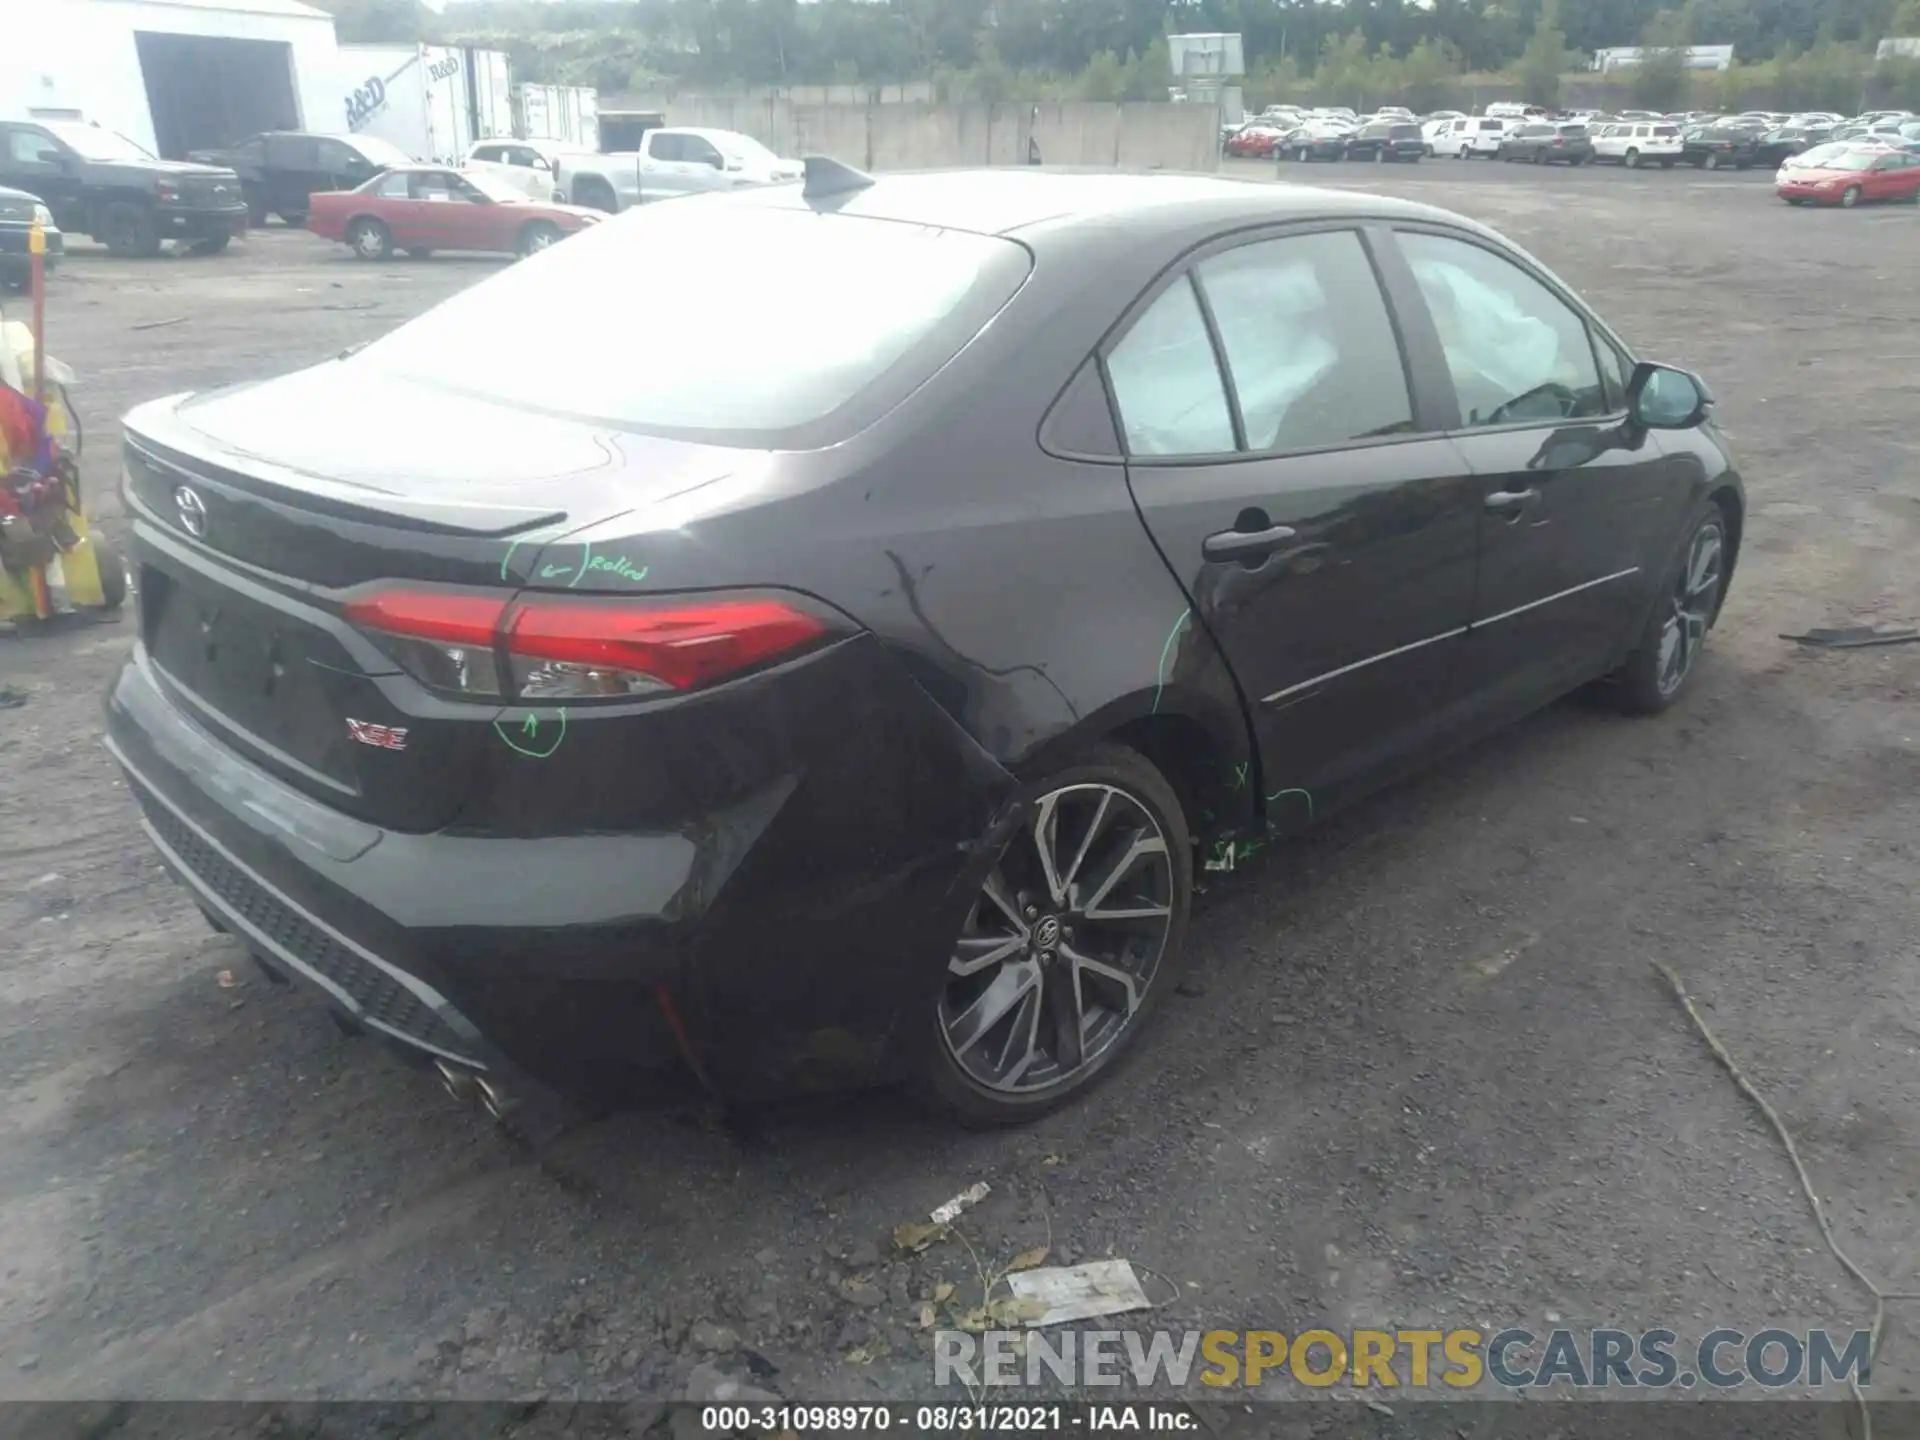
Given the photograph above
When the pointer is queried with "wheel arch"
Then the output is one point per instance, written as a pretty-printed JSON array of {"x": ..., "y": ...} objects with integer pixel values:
[
  {"x": 1726, "y": 495},
  {"x": 1197, "y": 742}
]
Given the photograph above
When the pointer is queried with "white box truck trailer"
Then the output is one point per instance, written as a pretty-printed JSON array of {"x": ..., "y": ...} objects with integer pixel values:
[
  {"x": 432, "y": 101},
  {"x": 565, "y": 114}
]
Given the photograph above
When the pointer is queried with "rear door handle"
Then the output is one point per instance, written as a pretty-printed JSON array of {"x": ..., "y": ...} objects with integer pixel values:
[
  {"x": 1510, "y": 501},
  {"x": 1245, "y": 544}
]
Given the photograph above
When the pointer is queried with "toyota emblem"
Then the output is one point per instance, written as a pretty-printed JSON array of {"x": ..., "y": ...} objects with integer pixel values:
[{"x": 193, "y": 510}]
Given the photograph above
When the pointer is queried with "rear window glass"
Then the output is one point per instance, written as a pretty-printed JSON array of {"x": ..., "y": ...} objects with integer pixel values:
[
  {"x": 740, "y": 323},
  {"x": 1404, "y": 132}
]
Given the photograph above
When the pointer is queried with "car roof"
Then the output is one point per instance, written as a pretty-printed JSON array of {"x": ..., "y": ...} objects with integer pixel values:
[{"x": 1023, "y": 201}]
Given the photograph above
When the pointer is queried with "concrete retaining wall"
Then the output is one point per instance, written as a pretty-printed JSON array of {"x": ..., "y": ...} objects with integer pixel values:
[{"x": 913, "y": 136}]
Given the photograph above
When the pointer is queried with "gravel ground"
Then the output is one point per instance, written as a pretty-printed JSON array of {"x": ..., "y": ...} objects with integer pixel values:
[{"x": 1431, "y": 1077}]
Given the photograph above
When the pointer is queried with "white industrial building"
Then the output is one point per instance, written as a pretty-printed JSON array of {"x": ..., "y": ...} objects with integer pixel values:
[
  {"x": 180, "y": 75},
  {"x": 173, "y": 74}
]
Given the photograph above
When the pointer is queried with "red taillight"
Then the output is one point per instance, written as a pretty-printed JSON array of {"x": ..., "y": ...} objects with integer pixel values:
[
  {"x": 450, "y": 617},
  {"x": 579, "y": 647},
  {"x": 683, "y": 644}
]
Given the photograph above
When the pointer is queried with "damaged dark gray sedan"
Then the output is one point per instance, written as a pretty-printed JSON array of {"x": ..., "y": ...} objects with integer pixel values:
[{"x": 835, "y": 671}]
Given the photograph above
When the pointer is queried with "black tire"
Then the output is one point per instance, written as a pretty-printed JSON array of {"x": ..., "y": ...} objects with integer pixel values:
[
  {"x": 256, "y": 210},
  {"x": 129, "y": 231},
  {"x": 370, "y": 239},
  {"x": 594, "y": 194},
  {"x": 1646, "y": 683},
  {"x": 295, "y": 218},
  {"x": 1380, "y": 156},
  {"x": 113, "y": 572},
  {"x": 1850, "y": 197},
  {"x": 1631, "y": 159},
  {"x": 941, "y": 1080},
  {"x": 537, "y": 236},
  {"x": 1795, "y": 199},
  {"x": 1667, "y": 164},
  {"x": 1711, "y": 161},
  {"x": 213, "y": 246}
]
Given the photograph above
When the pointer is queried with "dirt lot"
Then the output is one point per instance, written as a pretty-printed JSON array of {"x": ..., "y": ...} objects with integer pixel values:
[{"x": 1431, "y": 1077}]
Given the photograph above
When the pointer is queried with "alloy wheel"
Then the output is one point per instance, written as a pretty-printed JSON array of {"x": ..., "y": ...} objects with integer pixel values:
[
  {"x": 1696, "y": 590},
  {"x": 1062, "y": 944}
]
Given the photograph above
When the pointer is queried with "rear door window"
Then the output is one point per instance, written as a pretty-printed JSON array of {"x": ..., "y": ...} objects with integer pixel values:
[
  {"x": 1309, "y": 348},
  {"x": 1516, "y": 351},
  {"x": 336, "y": 157}
]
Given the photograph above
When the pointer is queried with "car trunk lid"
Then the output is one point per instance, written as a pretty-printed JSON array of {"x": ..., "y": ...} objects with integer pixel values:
[{"x": 247, "y": 563}]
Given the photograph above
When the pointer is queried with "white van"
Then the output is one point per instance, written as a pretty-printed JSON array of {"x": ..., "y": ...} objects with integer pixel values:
[
  {"x": 1514, "y": 110},
  {"x": 1644, "y": 142},
  {"x": 1471, "y": 135}
]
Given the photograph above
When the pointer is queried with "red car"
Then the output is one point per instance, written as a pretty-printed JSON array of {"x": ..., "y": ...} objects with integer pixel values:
[
  {"x": 1866, "y": 173},
  {"x": 1256, "y": 141},
  {"x": 423, "y": 208}
]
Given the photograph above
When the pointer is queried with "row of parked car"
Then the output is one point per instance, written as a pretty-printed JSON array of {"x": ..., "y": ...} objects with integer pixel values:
[
  {"x": 1530, "y": 134},
  {"x": 74, "y": 178}
]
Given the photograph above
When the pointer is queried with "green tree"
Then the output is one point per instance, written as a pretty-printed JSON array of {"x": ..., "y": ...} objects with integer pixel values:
[
  {"x": 1341, "y": 76},
  {"x": 1906, "y": 19},
  {"x": 1545, "y": 57},
  {"x": 1660, "y": 79},
  {"x": 1428, "y": 76},
  {"x": 1105, "y": 78}
]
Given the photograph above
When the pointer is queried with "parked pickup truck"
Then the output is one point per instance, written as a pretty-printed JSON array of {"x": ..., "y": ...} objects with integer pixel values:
[
  {"x": 100, "y": 184},
  {"x": 279, "y": 169},
  {"x": 670, "y": 161}
]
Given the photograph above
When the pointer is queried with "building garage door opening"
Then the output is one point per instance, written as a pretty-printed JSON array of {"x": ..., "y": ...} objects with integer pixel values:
[{"x": 206, "y": 91}]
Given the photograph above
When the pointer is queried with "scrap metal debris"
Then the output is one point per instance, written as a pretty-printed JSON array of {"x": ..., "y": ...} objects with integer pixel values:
[{"x": 1853, "y": 637}]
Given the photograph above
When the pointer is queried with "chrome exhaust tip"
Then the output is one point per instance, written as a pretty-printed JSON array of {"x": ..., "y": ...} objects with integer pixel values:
[
  {"x": 457, "y": 1082},
  {"x": 493, "y": 1099}
]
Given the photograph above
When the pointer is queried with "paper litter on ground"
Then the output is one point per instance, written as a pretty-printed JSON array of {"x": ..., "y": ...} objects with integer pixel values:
[
  {"x": 968, "y": 1198},
  {"x": 1080, "y": 1292}
]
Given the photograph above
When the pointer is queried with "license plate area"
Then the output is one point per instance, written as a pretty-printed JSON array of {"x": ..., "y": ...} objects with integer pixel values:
[{"x": 250, "y": 665}]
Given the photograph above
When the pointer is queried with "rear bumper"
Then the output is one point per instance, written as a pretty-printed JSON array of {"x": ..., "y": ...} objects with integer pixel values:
[
  {"x": 175, "y": 223},
  {"x": 792, "y": 938}
]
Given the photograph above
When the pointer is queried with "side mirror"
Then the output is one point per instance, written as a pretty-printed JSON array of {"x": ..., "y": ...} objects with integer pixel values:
[{"x": 1662, "y": 398}]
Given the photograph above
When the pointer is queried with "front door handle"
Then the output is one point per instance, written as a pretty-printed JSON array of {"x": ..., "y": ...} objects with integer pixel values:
[
  {"x": 1245, "y": 544},
  {"x": 1510, "y": 502}
]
